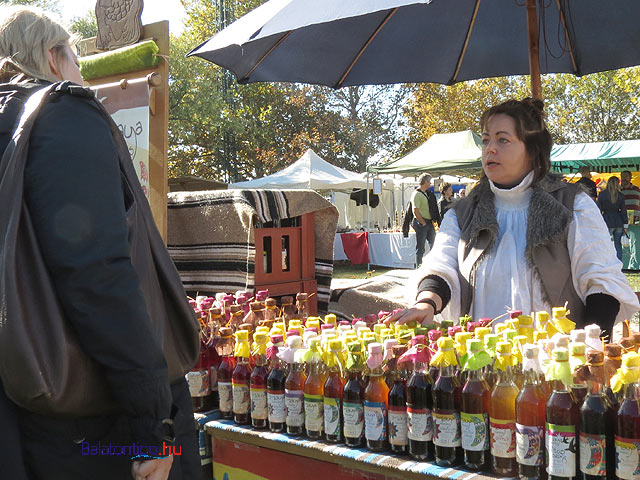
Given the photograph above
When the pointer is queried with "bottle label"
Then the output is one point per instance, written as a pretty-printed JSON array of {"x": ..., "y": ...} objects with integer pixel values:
[
  {"x": 198, "y": 382},
  {"x": 375, "y": 420},
  {"x": 561, "y": 450},
  {"x": 503, "y": 438},
  {"x": 398, "y": 430},
  {"x": 475, "y": 431},
  {"x": 419, "y": 424},
  {"x": 446, "y": 428},
  {"x": 226, "y": 396},
  {"x": 529, "y": 449},
  {"x": 213, "y": 378},
  {"x": 241, "y": 398},
  {"x": 277, "y": 409},
  {"x": 258, "y": 403},
  {"x": 332, "y": 416},
  {"x": 353, "y": 414},
  {"x": 294, "y": 403},
  {"x": 627, "y": 458},
  {"x": 593, "y": 460},
  {"x": 313, "y": 410}
]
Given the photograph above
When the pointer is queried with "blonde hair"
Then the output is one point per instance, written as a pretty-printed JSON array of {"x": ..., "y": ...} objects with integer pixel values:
[
  {"x": 26, "y": 36},
  {"x": 613, "y": 187}
]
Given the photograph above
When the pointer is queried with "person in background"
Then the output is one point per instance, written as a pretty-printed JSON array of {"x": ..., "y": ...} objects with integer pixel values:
[
  {"x": 522, "y": 237},
  {"x": 86, "y": 219},
  {"x": 425, "y": 212},
  {"x": 631, "y": 196},
  {"x": 611, "y": 203},
  {"x": 446, "y": 199},
  {"x": 586, "y": 182},
  {"x": 462, "y": 193}
]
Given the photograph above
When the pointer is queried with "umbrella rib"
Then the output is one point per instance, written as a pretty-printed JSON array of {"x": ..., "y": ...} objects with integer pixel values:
[
  {"x": 364, "y": 47},
  {"x": 466, "y": 42},
  {"x": 566, "y": 33},
  {"x": 277, "y": 44}
]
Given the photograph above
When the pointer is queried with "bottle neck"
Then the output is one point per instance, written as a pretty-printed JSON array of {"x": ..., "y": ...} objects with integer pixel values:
[
  {"x": 261, "y": 360},
  {"x": 631, "y": 391},
  {"x": 447, "y": 371},
  {"x": 531, "y": 377},
  {"x": 505, "y": 376},
  {"x": 297, "y": 367},
  {"x": 475, "y": 375}
]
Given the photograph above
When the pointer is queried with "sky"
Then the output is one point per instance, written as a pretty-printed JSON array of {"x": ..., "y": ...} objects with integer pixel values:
[{"x": 153, "y": 11}]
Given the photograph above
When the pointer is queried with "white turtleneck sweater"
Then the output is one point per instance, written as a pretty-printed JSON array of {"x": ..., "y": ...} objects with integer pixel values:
[{"x": 503, "y": 278}]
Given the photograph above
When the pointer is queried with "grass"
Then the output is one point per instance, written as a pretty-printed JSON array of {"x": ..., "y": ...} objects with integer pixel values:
[
  {"x": 344, "y": 269},
  {"x": 634, "y": 281}
]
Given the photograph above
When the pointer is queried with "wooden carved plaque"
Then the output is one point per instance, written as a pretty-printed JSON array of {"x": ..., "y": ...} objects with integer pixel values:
[{"x": 119, "y": 23}]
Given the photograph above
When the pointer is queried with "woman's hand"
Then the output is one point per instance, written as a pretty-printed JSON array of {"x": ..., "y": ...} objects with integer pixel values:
[
  {"x": 422, "y": 313},
  {"x": 156, "y": 469}
]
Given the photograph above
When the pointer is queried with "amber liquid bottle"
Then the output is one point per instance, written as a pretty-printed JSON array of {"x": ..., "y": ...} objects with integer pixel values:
[
  {"x": 332, "y": 402},
  {"x": 561, "y": 436},
  {"x": 503, "y": 425},
  {"x": 446, "y": 418},
  {"x": 277, "y": 413},
  {"x": 225, "y": 371},
  {"x": 474, "y": 421},
  {"x": 397, "y": 416},
  {"x": 313, "y": 406},
  {"x": 597, "y": 424},
  {"x": 419, "y": 408},
  {"x": 258, "y": 392},
  {"x": 530, "y": 424},
  {"x": 628, "y": 433},
  {"x": 240, "y": 391},
  {"x": 376, "y": 406},
  {"x": 353, "y": 408},
  {"x": 294, "y": 399}
]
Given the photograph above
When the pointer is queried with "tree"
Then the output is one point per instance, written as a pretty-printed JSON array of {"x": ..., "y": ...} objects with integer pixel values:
[{"x": 85, "y": 26}]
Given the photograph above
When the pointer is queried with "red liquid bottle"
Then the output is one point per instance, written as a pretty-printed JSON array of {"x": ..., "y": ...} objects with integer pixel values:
[
  {"x": 240, "y": 380},
  {"x": 313, "y": 392},
  {"x": 446, "y": 407},
  {"x": 277, "y": 415},
  {"x": 258, "y": 383},
  {"x": 198, "y": 378},
  {"x": 294, "y": 390},
  {"x": 563, "y": 421},
  {"x": 503, "y": 415},
  {"x": 215, "y": 323},
  {"x": 225, "y": 349},
  {"x": 353, "y": 397},
  {"x": 332, "y": 397},
  {"x": 376, "y": 398},
  {"x": 397, "y": 414},
  {"x": 628, "y": 420},
  {"x": 474, "y": 418},
  {"x": 530, "y": 419},
  {"x": 597, "y": 422},
  {"x": 419, "y": 408}
]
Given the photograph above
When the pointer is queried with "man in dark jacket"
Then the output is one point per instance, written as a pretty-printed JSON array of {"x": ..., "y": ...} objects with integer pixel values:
[{"x": 425, "y": 212}]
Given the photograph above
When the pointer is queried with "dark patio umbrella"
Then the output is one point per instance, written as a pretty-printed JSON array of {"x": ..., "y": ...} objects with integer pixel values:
[{"x": 356, "y": 42}]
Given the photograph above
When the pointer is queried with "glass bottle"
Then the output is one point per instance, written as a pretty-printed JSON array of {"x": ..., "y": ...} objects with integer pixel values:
[
  {"x": 332, "y": 396},
  {"x": 313, "y": 391},
  {"x": 215, "y": 323},
  {"x": 612, "y": 362},
  {"x": 446, "y": 406},
  {"x": 397, "y": 415},
  {"x": 597, "y": 421},
  {"x": 419, "y": 409},
  {"x": 530, "y": 418},
  {"x": 199, "y": 377},
  {"x": 627, "y": 437},
  {"x": 577, "y": 358},
  {"x": 294, "y": 389},
  {"x": 563, "y": 420},
  {"x": 474, "y": 418},
  {"x": 353, "y": 397},
  {"x": 258, "y": 383},
  {"x": 376, "y": 398},
  {"x": 503, "y": 414},
  {"x": 302, "y": 306},
  {"x": 225, "y": 348},
  {"x": 236, "y": 316},
  {"x": 288, "y": 308},
  {"x": 240, "y": 380},
  {"x": 277, "y": 415}
]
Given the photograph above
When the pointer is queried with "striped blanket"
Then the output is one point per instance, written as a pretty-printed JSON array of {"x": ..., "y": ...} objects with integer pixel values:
[{"x": 211, "y": 236}]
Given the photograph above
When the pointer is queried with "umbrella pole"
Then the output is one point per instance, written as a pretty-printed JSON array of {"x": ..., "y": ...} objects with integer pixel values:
[
  {"x": 534, "y": 49},
  {"x": 368, "y": 208}
]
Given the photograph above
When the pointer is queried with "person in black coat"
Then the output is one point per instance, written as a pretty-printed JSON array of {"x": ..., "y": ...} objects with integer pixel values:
[
  {"x": 446, "y": 199},
  {"x": 612, "y": 205}
]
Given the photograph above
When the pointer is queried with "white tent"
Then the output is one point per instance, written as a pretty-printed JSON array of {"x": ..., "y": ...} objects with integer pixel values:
[{"x": 310, "y": 171}]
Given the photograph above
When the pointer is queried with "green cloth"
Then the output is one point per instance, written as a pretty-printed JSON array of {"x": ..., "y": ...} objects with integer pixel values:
[
  {"x": 419, "y": 200},
  {"x": 140, "y": 56}
]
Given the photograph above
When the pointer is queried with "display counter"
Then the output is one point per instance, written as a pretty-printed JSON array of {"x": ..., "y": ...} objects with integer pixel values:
[{"x": 242, "y": 453}]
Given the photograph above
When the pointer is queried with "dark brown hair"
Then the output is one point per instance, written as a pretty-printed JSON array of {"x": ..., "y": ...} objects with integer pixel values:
[
  {"x": 444, "y": 186},
  {"x": 528, "y": 116}
]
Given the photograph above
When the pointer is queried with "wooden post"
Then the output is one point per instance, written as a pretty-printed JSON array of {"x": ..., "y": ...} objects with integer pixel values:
[{"x": 534, "y": 49}]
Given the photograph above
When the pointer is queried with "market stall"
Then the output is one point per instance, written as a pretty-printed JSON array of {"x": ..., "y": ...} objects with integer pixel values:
[{"x": 388, "y": 249}]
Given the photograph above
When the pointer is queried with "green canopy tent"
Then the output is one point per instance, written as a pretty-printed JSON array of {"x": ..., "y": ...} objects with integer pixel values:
[
  {"x": 458, "y": 153},
  {"x": 604, "y": 157}
]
